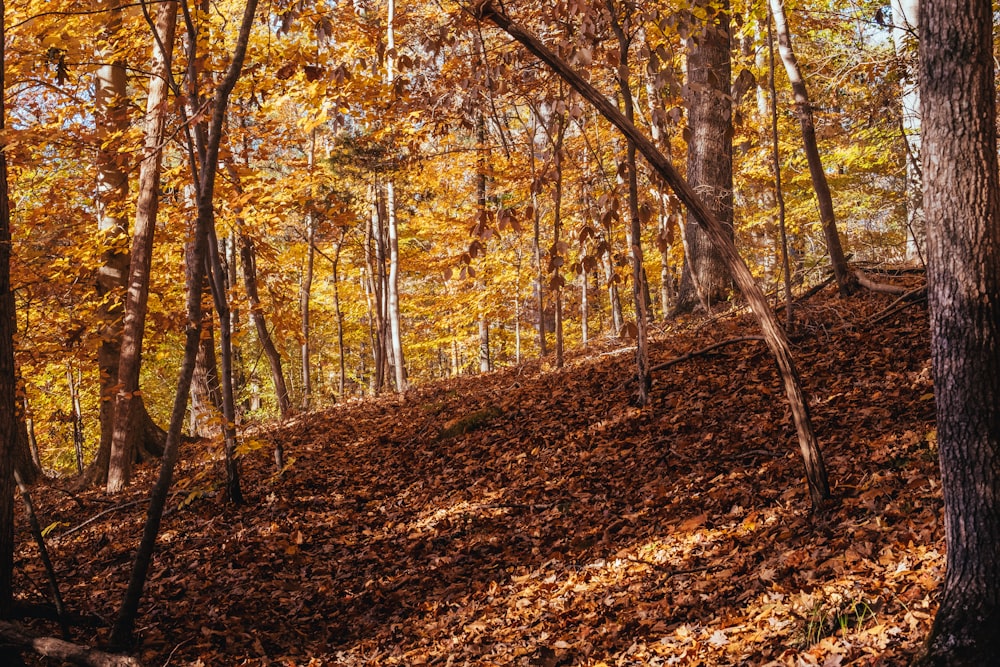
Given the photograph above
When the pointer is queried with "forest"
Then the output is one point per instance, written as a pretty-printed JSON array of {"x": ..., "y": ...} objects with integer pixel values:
[{"x": 476, "y": 332}]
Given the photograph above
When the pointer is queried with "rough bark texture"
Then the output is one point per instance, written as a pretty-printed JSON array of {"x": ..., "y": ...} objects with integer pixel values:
[
  {"x": 709, "y": 159},
  {"x": 111, "y": 193},
  {"x": 774, "y": 335},
  {"x": 962, "y": 208}
]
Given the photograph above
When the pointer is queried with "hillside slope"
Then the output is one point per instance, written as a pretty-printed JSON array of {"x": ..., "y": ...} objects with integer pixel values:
[{"x": 532, "y": 517}]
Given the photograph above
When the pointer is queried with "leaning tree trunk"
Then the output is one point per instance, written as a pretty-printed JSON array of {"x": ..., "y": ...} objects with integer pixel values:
[
  {"x": 962, "y": 209},
  {"x": 704, "y": 279},
  {"x": 803, "y": 109},
  {"x": 129, "y": 411},
  {"x": 774, "y": 335}
]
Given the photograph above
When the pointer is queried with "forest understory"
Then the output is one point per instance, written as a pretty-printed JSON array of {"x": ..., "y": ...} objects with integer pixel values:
[{"x": 530, "y": 516}]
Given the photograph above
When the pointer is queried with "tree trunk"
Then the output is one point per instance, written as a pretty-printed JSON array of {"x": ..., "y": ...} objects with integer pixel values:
[
  {"x": 644, "y": 380},
  {"x": 305, "y": 287},
  {"x": 704, "y": 279},
  {"x": 803, "y": 109},
  {"x": 127, "y": 417},
  {"x": 206, "y": 390},
  {"x": 392, "y": 296},
  {"x": 779, "y": 194},
  {"x": 8, "y": 376},
  {"x": 905, "y": 19},
  {"x": 536, "y": 219},
  {"x": 962, "y": 208},
  {"x": 248, "y": 263},
  {"x": 774, "y": 335},
  {"x": 111, "y": 194}
]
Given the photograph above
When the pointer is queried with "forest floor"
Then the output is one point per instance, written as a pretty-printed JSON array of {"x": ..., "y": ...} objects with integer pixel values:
[{"x": 562, "y": 527}]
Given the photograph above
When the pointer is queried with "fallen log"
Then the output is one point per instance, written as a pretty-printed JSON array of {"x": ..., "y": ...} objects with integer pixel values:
[
  {"x": 704, "y": 350},
  {"x": 58, "y": 649}
]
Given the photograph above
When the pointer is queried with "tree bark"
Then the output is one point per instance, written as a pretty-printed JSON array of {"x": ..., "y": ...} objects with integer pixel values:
[
  {"x": 111, "y": 194},
  {"x": 8, "y": 376},
  {"x": 127, "y": 415},
  {"x": 803, "y": 109},
  {"x": 962, "y": 208},
  {"x": 774, "y": 335},
  {"x": 305, "y": 287},
  {"x": 392, "y": 296},
  {"x": 704, "y": 279}
]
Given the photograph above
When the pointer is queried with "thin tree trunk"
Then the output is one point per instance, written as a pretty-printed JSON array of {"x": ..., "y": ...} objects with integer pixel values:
[
  {"x": 774, "y": 335},
  {"x": 905, "y": 19},
  {"x": 962, "y": 208},
  {"x": 635, "y": 228},
  {"x": 803, "y": 109},
  {"x": 206, "y": 390},
  {"x": 248, "y": 263},
  {"x": 340, "y": 318},
  {"x": 779, "y": 194},
  {"x": 121, "y": 634},
  {"x": 305, "y": 288},
  {"x": 216, "y": 279},
  {"x": 536, "y": 218},
  {"x": 74, "y": 397},
  {"x": 395, "y": 319}
]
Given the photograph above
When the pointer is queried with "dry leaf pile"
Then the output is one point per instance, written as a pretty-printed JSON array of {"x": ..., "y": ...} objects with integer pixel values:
[{"x": 531, "y": 517}]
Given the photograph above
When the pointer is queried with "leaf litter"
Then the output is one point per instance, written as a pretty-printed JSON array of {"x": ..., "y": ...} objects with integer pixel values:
[{"x": 556, "y": 525}]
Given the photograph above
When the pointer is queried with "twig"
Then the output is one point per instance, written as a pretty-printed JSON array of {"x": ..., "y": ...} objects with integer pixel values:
[
  {"x": 704, "y": 350},
  {"x": 99, "y": 515},
  {"x": 908, "y": 299}
]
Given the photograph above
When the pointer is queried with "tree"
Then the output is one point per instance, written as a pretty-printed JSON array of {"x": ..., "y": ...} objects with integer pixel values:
[
  {"x": 905, "y": 19},
  {"x": 803, "y": 109},
  {"x": 8, "y": 377},
  {"x": 962, "y": 209},
  {"x": 128, "y": 411},
  {"x": 710, "y": 157}
]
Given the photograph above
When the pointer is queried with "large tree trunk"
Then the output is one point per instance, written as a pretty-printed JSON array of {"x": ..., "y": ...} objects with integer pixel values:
[
  {"x": 704, "y": 278},
  {"x": 905, "y": 19},
  {"x": 111, "y": 193},
  {"x": 962, "y": 208},
  {"x": 774, "y": 335},
  {"x": 8, "y": 376},
  {"x": 803, "y": 109},
  {"x": 129, "y": 412}
]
